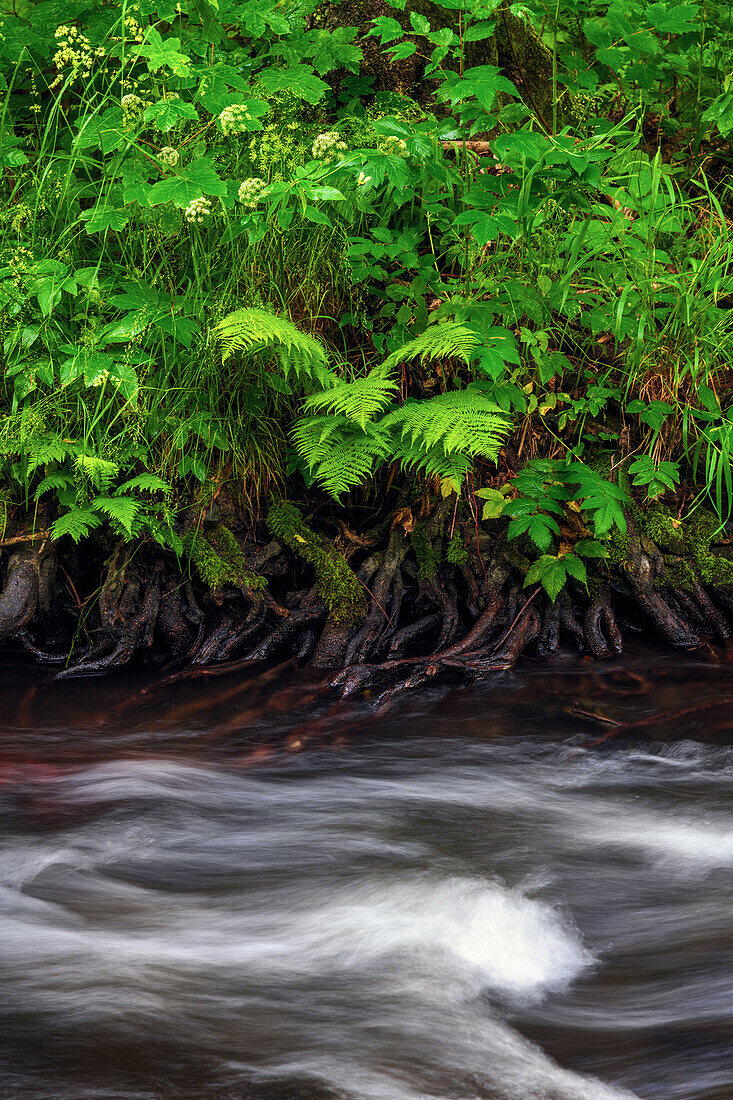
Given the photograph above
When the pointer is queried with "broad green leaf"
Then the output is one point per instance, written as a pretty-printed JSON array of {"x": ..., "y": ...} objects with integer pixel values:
[{"x": 167, "y": 113}]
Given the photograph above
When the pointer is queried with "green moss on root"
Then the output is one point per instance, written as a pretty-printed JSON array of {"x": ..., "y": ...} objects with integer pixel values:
[
  {"x": 219, "y": 561},
  {"x": 337, "y": 584}
]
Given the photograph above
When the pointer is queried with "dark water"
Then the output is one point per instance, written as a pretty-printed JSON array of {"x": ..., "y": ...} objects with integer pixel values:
[{"x": 211, "y": 897}]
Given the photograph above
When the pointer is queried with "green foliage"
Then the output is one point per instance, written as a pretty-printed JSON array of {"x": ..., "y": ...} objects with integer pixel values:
[
  {"x": 338, "y": 586},
  {"x": 227, "y": 252}
]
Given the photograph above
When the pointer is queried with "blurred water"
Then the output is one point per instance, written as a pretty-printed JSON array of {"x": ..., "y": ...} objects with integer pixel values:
[{"x": 460, "y": 900}]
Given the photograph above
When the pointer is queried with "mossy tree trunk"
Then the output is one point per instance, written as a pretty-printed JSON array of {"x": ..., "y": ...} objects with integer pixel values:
[{"x": 515, "y": 47}]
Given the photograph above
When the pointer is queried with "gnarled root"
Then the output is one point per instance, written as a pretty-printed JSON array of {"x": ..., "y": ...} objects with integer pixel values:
[
  {"x": 601, "y": 630},
  {"x": 23, "y": 581}
]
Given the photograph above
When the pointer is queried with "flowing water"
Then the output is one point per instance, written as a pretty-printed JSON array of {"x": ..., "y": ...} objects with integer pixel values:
[{"x": 474, "y": 896}]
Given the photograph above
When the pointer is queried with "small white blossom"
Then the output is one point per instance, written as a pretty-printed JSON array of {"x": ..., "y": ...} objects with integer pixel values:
[
  {"x": 249, "y": 191},
  {"x": 168, "y": 155},
  {"x": 131, "y": 105},
  {"x": 234, "y": 119},
  {"x": 328, "y": 145},
  {"x": 197, "y": 211}
]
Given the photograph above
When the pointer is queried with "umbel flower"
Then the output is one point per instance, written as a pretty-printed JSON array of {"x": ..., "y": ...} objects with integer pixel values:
[
  {"x": 74, "y": 52},
  {"x": 131, "y": 105},
  {"x": 168, "y": 155},
  {"x": 234, "y": 119},
  {"x": 250, "y": 191},
  {"x": 328, "y": 145},
  {"x": 197, "y": 211}
]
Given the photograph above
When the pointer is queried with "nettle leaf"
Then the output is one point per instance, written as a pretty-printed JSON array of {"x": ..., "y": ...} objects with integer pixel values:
[
  {"x": 214, "y": 87},
  {"x": 538, "y": 525},
  {"x": 334, "y": 50},
  {"x": 167, "y": 113},
  {"x": 298, "y": 78},
  {"x": 494, "y": 503},
  {"x": 386, "y": 29},
  {"x": 551, "y": 572},
  {"x": 199, "y": 178},
  {"x": 165, "y": 53}
]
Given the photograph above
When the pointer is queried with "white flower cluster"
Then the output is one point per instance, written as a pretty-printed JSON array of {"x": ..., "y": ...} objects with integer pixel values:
[
  {"x": 132, "y": 105},
  {"x": 168, "y": 155},
  {"x": 197, "y": 211},
  {"x": 327, "y": 146},
  {"x": 394, "y": 145},
  {"x": 234, "y": 119},
  {"x": 250, "y": 191},
  {"x": 74, "y": 52}
]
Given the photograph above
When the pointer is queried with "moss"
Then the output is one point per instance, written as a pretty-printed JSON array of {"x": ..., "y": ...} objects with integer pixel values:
[
  {"x": 218, "y": 560},
  {"x": 427, "y": 554},
  {"x": 336, "y": 581},
  {"x": 455, "y": 551}
]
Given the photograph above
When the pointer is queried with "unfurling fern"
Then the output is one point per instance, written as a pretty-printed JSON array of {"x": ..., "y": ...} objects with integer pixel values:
[{"x": 247, "y": 331}]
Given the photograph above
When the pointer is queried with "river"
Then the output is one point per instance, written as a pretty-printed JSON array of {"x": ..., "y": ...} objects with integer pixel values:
[{"x": 474, "y": 896}]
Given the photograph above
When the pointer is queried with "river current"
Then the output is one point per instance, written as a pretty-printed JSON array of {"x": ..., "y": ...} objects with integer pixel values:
[{"x": 473, "y": 897}]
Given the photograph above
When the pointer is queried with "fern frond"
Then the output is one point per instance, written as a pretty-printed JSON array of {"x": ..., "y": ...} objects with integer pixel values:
[
  {"x": 463, "y": 421},
  {"x": 358, "y": 401},
  {"x": 41, "y": 451},
  {"x": 100, "y": 471},
  {"x": 52, "y": 481},
  {"x": 250, "y": 330},
  {"x": 77, "y": 523},
  {"x": 338, "y": 452},
  {"x": 433, "y": 462},
  {"x": 442, "y": 341},
  {"x": 146, "y": 483},
  {"x": 122, "y": 511}
]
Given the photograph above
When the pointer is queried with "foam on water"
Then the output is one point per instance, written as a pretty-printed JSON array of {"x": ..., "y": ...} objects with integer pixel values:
[{"x": 358, "y": 928}]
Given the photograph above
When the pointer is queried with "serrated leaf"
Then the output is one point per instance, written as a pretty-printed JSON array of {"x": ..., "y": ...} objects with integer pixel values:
[
  {"x": 167, "y": 113},
  {"x": 550, "y": 572}
]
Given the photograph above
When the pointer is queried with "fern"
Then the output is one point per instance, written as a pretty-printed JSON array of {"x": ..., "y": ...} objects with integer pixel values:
[
  {"x": 247, "y": 331},
  {"x": 464, "y": 421},
  {"x": 359, "y": 400},
  {"x": 77, "y": 523},
  {"x": 339, "y": 453},
  {"x": 146, "y": 483},
  {"x": 42, "y": 451},
  {"x": 100, "y": 471},
  {"x": 449, "y": 340},
  {"x": 122, "y": 511},
  {"x": 53, "y": 481}
]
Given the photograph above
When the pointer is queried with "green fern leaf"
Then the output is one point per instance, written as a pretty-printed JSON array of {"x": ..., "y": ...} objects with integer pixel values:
[
  {"x": 449, "y": 340},
  {"x": 122, "y": 511},
  {"x": 339, "y": 453},
  {"x": 52, "y": 481},
  {"x": 358, "y": 401},
  {"x": 47, "y": 449},
  {"x": 100, "y": 471},
  {"x": 145, "y": 483},
  {"x": 77, "y": 523},
  {"x": 251, "y": 330},
  {"x": 464, "y": 421}
]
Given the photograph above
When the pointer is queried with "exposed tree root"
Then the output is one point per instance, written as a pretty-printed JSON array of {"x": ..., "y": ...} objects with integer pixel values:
[{"x": 408, "y": 615}]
